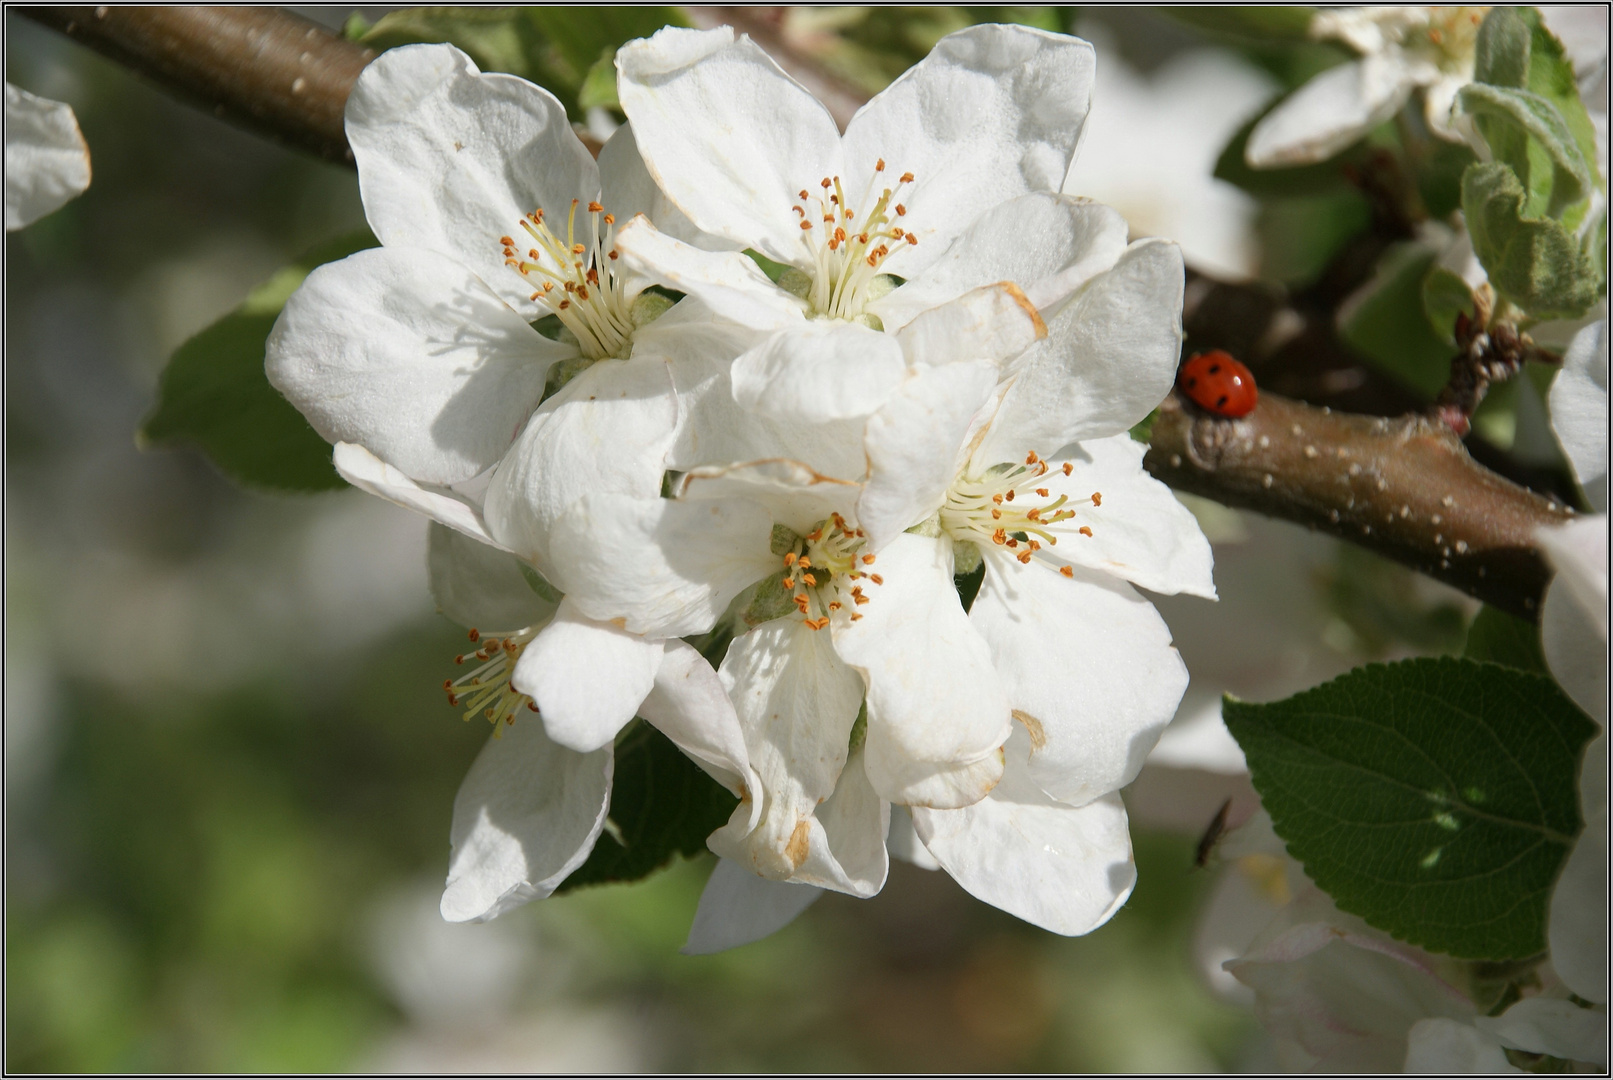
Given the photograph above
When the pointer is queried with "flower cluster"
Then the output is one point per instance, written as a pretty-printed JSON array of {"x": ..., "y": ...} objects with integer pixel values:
[{"x": 891, "y": 471}]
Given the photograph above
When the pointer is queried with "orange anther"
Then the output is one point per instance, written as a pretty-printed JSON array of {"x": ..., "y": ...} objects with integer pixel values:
[
  {"x": 1024, "y": 557},
  {"x": 806, "y": 561},
  {"x": 855, "y": 617},
  {"x": 1068, "y": 468},
  {"x": 577, "y": 249},
  {"x": 879, "y": 166},
  {"x": 506, "y": 241},
  {"x": 826, "y": 183},
  {"x": 901, "y": 211},
  {"x": 1000, "y": 536},
  {"x": 789, "y": 560},
  {"x": 1042, "y": 492},
  {"x": 907, "y": 178},
  {"x": 810, "y": 579},
  {"x": 594, "y": 208},
  {"x": 564, "y": 304},
  {"x": 803, "y": 193},
  {"x": 1013, "y": 543},
  {"x": 876, "y": 579},
  {"x": 868, "y": 560},
  {"x": 996, "y": 514},
  {"x": 1066, "y": 571},
  {"x": 612, "y": 254},
  {"x": 1097, "y": 498},
  {"x": 913, "y": 240},
  {"x": 610, "y": 219},
  {"x": 998, "y": 499},
  {"x": 807, "y": 225},
  {"x": 474, "y": 634},
  {"x": 1010, "y": 495},
  {"x": 1084, "y": 531}
]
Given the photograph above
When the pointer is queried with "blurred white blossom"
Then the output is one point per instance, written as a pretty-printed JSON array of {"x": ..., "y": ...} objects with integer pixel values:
[{"x": 47, "y": 162}]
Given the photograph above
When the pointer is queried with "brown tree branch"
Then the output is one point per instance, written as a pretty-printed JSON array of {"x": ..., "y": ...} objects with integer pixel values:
[
  {"x": 264, "y": 69},
  {"x": 1403, "y": 487}
]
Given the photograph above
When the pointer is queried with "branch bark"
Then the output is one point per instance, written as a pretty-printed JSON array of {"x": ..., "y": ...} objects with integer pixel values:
[
  {"x": 264, "y": 69},
  {"x": 1404, "y": 487}
]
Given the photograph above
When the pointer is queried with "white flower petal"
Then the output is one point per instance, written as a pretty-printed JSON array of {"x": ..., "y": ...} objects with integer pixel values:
[
  {"x": 1438, "y": 1045},
  {"x": 937, "y": 712},
  {"x": 526, "y": 816},
  {"x": 607, "y": 430},
  {"x": 1547, "y": 1026},
  {"x": 994, "y": 322},
  {"x": 1066, "y": 869},
  {"x": 1573, "y": 615},
  {"x": 588, "y": 678},
  {"x": 1109, "y": 358},
  {"x": 451, "y": 159},
  {"x": 727, "y": 135},
  {"x": 715, "y": 429},
  {"x": 1576, "y": 923},
  {"x": 912, "y": 444},
  {"x": 47, "y": 163},
  {"x": 627, "y": 188},
  {"x": 737, "y": 908},
  {"x": 480, "y": 586},
  {"x": 850, "y": 857},
  {"x": 731, "y": 285},
  {"x": 819, "y": 371},
  {"x": 904, "y": 843},
  {"x": 1578, "y": 403},
  {"x": 992, "y": 112},
  {"x": 369, "y": 473},
  {"x": 1330, "y": 112},
  {"x": 689, "y": 706},
  {"x": 796, "y": 702},
  {"x": 1088, "y": 668},
  {"x": 792, "y": 493},
  {"x": 1049, "y": 245},
  {"x": 660, "y": 566},
  {"x": 1140, "y": 531},
  {"x": 409, "y": 354}
]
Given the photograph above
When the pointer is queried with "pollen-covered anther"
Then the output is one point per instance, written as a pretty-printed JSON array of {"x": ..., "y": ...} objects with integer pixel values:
[
  {"x": 602, "y": 322},
  {"x": 486, "y": 691}
]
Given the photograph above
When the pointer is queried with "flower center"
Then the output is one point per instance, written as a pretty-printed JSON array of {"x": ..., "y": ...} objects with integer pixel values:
[
  {"x": 575, "y": 281},
  {"x": 824, "y": 569},
  {"x": 1453, "y": 34},
  {"x": 487, "y": 688},
  {"x": 1010, "y": 507},
  {"x": 845, "y": 247}
]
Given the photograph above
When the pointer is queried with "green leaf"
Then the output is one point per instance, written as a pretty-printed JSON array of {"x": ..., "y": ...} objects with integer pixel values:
[
  {"x": 1445, "y": 296},
  {"x": 1298, "y": 236},
  {"x": 1551, "y": 76},
  {"x": 498, "y": 39},
  {"x": 1533, "y": 261},
  {"x": 1500, "y": 638},
  {"x": 1387, "y": 323},
  {"x": 1515, "y": 123},
  {"x": 662, "y": 806},
  {"x": 580, "y": 37},
  {"x": 1501, "y": 52},
  {"x": 1435, "y": 798},
  {"x": 599, "y": 85},
  {"x": 214, "y": 393}
]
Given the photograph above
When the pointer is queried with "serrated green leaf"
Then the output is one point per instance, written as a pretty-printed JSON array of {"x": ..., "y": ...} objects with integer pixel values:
[
  {"x": 1501, "y": 51},
  {"x": 1435, "y": 798},
  {"x": 214, "y": 394},
  {"x": 1386, "y": 321},
  {"x": 1500, "y": 638},
  {"x": 1532, "y": 261},
  {"x": 1445, "y": 296},
  {"x": 498, "y": 39},
  {"x": 661, "y": 804},
  {"x": 1513, "y": 122}
]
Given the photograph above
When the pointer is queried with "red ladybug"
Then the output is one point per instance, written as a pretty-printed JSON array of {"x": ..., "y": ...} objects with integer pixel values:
[{"x": 1219, "y": 384}]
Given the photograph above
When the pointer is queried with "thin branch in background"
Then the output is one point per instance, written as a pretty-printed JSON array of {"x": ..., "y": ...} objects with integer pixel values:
[{"x": 272, "y": 72}]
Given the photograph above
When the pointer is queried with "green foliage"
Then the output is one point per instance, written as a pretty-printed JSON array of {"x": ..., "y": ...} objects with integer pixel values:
[
  {"x": 1445, "y": 295},
  {"x": 213, "y": 394},
  {"x": 1435, "y": 798},
  {"x": 1533, "y": 261},
  {"x": 567, "y": 50},
  {"x": 663, "y": 806},
  {"x": 1500, "y": 638},
  {"x": 1501, "y": 52},
  {"x": 1300, "y": 235},
  {"x": 1528, "y": 133},
  {"x": 1280, "y": 23},
  {"x": 1389, "y": 321}
]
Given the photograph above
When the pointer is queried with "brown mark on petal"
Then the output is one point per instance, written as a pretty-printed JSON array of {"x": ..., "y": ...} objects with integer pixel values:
[
  {"x": 796, "y": 849},
  {"x": 1033, "y": 727},
  {"x": 1017, "y": 295}
]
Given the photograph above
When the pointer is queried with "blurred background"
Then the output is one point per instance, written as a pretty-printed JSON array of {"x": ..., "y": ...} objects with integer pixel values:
[{"x": 229, "y": 768}]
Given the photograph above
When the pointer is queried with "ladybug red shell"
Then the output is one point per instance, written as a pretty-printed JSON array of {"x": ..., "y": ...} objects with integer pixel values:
[{"x": 1219, "y": 384}]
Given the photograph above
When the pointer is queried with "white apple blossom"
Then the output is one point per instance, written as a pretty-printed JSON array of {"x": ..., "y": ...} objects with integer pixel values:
[
  {"x": 860, "y": 610},
  {"x": 47, "y": 163},
  {"x": 420, "y": 361},
  {"x": 750, "y": 155},
  {"x": 531, "y": 809},
  {"x": 1403, "y": 48}
]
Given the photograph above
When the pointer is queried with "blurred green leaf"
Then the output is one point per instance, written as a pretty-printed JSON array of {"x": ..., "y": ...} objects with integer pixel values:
[
  {"x": 1513, "y": 123},
  {"x": 1274, "y": 23},
  {"x": 1500, "y": 638},
  {"x": 599, "y": 85},
  {"x": 1501, "y": 52},
  {"x": 1388, "y": 323},
  {"x": 1380, "y": 606},
  {"x": 1324, "y": 178},
  {"x": 1532, "y": 261},
  {"x": 1445, "y": 296},
  {"x": 498, "y": 39},
  {"x": 662, "y": 804},
  {"x": 214, "y": 393},
  {"x": 1299, "y": 235},
  {"x": 1435, "y": 798},
  {"x": 582, "y": 36}
]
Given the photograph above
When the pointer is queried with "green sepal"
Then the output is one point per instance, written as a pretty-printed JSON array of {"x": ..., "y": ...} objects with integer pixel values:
[{"x": 1532, "y": 261}]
